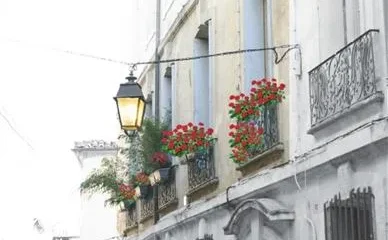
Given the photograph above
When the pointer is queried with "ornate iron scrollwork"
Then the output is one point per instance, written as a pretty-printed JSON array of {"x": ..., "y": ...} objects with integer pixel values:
[
  {"x": 201, "y": 168},
  {"x": 147, "y": 208},
  {"x": 343, "y": 79},
  {"x": 167, "y": 191},
  {"x": 131, "y": 218},
  {"x": 268, "y": 120}
]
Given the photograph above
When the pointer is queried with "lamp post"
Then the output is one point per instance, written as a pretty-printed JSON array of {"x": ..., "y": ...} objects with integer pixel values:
[{"x": 130, "y": 105}]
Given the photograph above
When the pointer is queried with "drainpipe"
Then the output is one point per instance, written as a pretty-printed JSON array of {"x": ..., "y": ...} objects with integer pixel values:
[
  {"x": 157, "y": 94},
  {"x": 345, "y": 22},
  {"x": 157, "y": 59}
]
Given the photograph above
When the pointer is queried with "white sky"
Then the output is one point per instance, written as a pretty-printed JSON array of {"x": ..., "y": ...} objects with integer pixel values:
[{"x": 54, "y": 99}]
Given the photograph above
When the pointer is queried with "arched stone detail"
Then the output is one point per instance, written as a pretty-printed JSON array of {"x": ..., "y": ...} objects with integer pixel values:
[{"x": 270, "y": 208}]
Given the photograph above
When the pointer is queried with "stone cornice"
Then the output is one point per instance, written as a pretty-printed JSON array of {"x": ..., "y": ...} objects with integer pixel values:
[
  {"x": 94, "y": 148},
  {"x": 94, "y": 145}
]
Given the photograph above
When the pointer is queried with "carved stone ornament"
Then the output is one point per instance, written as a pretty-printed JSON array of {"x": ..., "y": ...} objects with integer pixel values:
[{"x": 271, "y": 209}]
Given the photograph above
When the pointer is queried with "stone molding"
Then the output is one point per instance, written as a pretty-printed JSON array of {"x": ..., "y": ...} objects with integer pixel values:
[
  {"x": 94, "y": 145},
  {"x": 270, "y": 208}
]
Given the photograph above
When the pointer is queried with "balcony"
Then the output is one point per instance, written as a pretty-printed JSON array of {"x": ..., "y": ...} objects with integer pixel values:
[
  {"x": 201, "y": 170},
  {"x": 167, "y": 192},
  {"x": 344, "y": 81}
]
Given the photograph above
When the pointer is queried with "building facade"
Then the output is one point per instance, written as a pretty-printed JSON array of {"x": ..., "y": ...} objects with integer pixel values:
[
  {"x": 97, "y": 221},
  {"x": 323, "y": 170}
]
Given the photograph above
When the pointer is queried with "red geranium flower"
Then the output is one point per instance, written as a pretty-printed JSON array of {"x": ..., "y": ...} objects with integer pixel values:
[{"x": 187, "y": 138}]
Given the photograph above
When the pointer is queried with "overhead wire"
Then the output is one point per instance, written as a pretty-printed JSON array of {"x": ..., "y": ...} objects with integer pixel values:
[
  {"x": 278, "y": 57},
  {"x": 10, "y": 125}
]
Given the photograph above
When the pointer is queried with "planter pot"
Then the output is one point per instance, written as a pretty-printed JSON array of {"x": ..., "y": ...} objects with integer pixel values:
[
  {"x": 142, "y": 191},
  {"x": 164, "y": 174},
  {"x": 128, "y": 204},
  {"x": 168, "y": 164}
]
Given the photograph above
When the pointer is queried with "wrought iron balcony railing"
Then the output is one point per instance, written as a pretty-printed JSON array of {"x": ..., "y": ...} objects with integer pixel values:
[
  {"x": 167, "y": 192},
  {"x": 147, "y": 208},
  {"x": 343, "y": 80},
  {"x": 268, "y": 120},
  {"x": 131, "y": 218},
  {"x": 201, "y": 169}
]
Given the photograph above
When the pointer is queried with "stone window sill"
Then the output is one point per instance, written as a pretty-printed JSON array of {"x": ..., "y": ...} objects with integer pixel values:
[
  {"x": 377, "y": 97},
  {"x": 275, "y": 149}
]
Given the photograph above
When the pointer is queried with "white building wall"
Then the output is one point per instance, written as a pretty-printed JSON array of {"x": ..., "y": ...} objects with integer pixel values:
[
  {"x": 320, "y": 37},
  {"x": 302, "y": 187},
  {"x": 97, "y": 222},
  {"x": 348, "y": 153}
]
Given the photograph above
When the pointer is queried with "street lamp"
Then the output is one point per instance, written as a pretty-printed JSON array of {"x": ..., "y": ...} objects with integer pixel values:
[{"x": 130, "y": 105}]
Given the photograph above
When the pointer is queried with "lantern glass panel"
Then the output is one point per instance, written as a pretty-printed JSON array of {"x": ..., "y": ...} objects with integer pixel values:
[
  {"x": 128, "y": 108},
  {"x": 140, "y": 113}
]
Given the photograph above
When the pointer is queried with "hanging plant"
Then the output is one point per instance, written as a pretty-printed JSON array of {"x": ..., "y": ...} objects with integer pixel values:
[
  {"x": 246, "y": 136},
  {"x": 187, "y": 138}
]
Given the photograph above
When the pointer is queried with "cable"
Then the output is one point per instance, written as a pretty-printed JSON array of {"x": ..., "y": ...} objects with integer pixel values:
[
  {"x": 15, "y": 130},
  {"x": 309, "y": 220},
  {"x": 69, "y": 52},
  {"x": 278, "y": 58},
  {"x": 359, "y": 128}
]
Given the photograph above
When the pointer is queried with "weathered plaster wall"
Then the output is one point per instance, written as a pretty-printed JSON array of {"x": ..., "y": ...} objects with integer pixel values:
[
  {"x": 317, "y": 184},
  {"x": 227, "y": 74}
]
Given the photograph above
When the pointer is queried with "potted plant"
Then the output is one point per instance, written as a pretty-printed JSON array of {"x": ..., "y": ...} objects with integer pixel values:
[
  {"x": 188, "y": 139},
  {"x": 106, "y": 179},
  {"x": 162, "y": 173},
  {"x": 151, "y": 140},
  {"x": 142, "y": 183}
]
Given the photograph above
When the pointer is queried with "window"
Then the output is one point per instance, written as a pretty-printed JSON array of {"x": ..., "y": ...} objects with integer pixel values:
[
  {"x": 202, "y": 76},
  {"x": 338, "y": 24},
  {"x": 257, "y": 19},
  {"x": 256, "y": 34},
  {"x": 351, "y": 218},
  {"x": 165, "y": 103}
]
